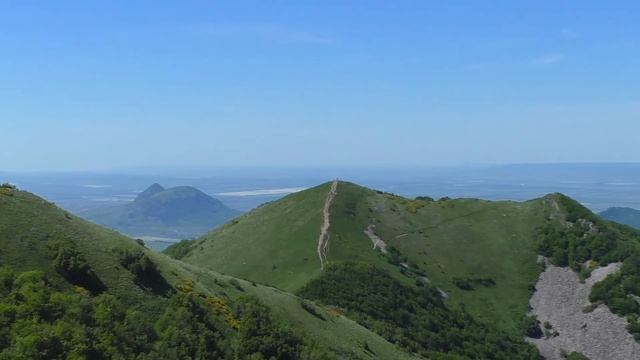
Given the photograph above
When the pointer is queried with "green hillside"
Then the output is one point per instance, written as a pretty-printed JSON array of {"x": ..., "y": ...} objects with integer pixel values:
[
  {"x": 483, "y": 256},
  {"x": 274, "y": 244},
  {"x": 451, "y": 242},
  {"x": 59, "y": 274},
  {"x": 402, "y": 278},
  {"x": 623, "y": 215},
  {"x": 180, "y": 212}
]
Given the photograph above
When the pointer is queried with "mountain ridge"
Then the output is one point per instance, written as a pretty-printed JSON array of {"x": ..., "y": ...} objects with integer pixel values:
[
  {"x": 483, "y": 257},
  {"x": 276, "y": 243},
  {"x": 150, "y": 191},
  {"x": 623, "y": 215}
]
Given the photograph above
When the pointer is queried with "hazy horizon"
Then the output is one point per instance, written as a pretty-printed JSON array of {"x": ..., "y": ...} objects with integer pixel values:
[
  {"x": 597, "y": 186},
  {"x": 204, "y": 169}
]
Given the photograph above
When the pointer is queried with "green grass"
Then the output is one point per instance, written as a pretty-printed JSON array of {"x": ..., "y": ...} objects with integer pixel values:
[
  {"x": 28, "y": 223},
  {"x": 276, "y": 244},
  {"x": 449, "y": 239},
  {"x": 474, "y": 239}
]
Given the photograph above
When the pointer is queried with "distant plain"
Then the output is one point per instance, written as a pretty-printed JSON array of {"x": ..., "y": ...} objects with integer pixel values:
[{"x": 597, "y": 186}]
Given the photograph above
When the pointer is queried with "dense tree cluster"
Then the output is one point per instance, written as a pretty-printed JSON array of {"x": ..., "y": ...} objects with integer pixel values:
[
  {"x": 577, "y": 243},
  {"x": 531, "y": 326},
  {"x": 586, "y": 241},
  {"x": 146, "y": 273},
  {"x": 415, "y": 318},
  {"x": 621, "y": 292},
  {"x": 38, "y": 321},
  {"x": 259, "y": 335},
  {"x": 70, "y": 263}
]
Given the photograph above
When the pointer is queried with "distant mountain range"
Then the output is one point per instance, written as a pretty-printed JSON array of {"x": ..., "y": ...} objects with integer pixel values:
[
  {"x": 180, "y": 212},
  {"x": 623, "y": 215}
]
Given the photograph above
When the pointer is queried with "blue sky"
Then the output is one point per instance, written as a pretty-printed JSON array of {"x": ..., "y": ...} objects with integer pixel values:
[{"x": 88, "y": 85}]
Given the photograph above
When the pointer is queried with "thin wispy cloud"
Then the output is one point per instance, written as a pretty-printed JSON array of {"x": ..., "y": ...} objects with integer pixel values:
[
  {"x": 548, "y": 59},
  {"x": 481, "y": 65},
  {"x": 268, "y": 32}
]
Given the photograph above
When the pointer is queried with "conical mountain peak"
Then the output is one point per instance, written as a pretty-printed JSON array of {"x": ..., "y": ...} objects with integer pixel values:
[{"x": 150, "y": 191}]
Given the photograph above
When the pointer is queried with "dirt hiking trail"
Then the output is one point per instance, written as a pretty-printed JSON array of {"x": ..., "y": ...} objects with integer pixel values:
[{"x": 323, "y": 239}]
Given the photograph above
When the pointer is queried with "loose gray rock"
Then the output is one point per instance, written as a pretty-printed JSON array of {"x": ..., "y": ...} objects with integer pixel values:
[{"x": 599, "y": 334}]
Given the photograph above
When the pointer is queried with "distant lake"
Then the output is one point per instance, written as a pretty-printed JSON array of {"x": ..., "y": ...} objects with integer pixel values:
[{"x": 157, "y": 243}]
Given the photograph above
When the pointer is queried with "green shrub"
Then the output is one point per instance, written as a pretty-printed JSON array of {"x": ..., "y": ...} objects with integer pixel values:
[
  {"x": 469, "y": 283},
  {"x": 394, "y": 256},
  {"x": 236, "y": 284},
  {"x": 425, "y": 198},
  {"x": 531, "y": 327},
  {"x": 311, "y": 309},
  {"x": 575, "y": 356},
  {"x": 72, "y": 265},
  {"x": 259, "y": 334},
  {"x": 462, "y": 283},
  {"x": 146, "y": 273}
]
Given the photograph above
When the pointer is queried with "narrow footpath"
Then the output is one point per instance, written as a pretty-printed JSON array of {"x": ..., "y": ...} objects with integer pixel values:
[{"x": 323, "y": 239}]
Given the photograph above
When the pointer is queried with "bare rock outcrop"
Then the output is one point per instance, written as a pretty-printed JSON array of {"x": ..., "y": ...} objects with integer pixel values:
[
  {"x": 560, "y": 300},
  {"x": 375, "y": 239}
]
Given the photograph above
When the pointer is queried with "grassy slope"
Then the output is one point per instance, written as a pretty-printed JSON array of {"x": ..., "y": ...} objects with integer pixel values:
[
  {"x": 473, "y": 238},
  {"x": 274, "y": 244},
  {"x": 342, "y": 335},
  {"x": 28, "y": 222},
  {"x": 456, "y": 238}
]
